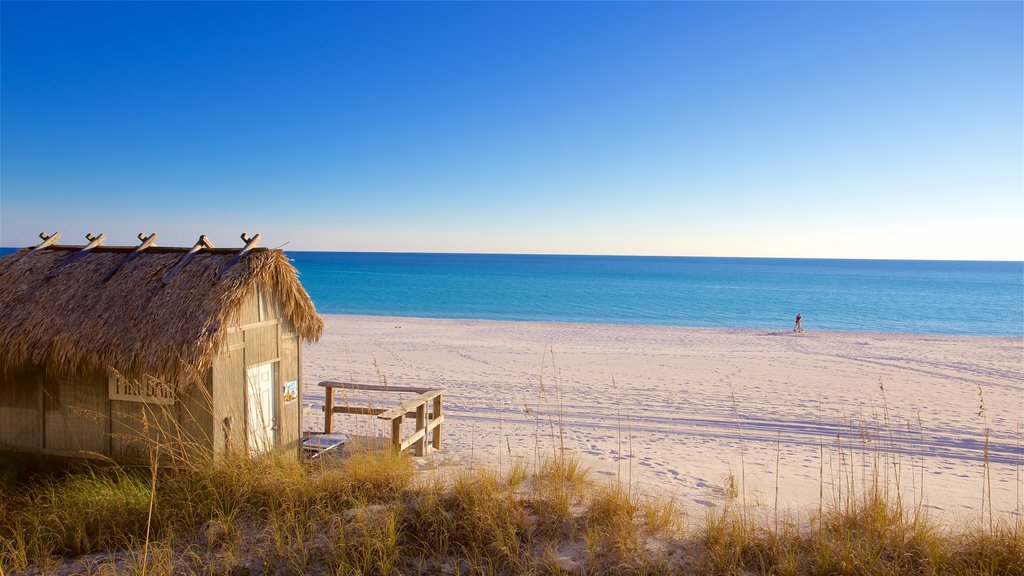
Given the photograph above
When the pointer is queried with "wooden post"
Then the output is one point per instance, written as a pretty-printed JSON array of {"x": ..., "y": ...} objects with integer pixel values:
[
  {"x": 46, "y": 240},
  {"x": 437, "y": 429},
  {"x": 328, "y": 410},
  {"x": 203, "y": 242},
  {"x": 94, "y": 241},
  {"x": 421, "y": 424},
  {"x": 250, "y": 243},
  {"x": 147, "y": 241},
  {"x": 396, "y": 433}
]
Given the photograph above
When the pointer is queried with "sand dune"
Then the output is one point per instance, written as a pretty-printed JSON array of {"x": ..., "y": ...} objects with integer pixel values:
[{"x": 694, "y": 407}]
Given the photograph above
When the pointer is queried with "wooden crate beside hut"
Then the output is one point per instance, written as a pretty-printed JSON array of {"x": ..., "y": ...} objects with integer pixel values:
[{"x": 120, "y": 351}]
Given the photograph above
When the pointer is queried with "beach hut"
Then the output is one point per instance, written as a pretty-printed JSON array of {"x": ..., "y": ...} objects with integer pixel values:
[{"x": 130, "y": 351}]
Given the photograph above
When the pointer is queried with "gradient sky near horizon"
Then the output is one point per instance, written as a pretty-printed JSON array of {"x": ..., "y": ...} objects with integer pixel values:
[{"x": 845, "y": 130}]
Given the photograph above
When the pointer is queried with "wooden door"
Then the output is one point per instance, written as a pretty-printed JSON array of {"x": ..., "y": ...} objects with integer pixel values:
[{"x": 262, "y": 418}]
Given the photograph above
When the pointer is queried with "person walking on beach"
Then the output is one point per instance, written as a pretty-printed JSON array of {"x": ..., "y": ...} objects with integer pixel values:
[{"x": 799, "y": 326}]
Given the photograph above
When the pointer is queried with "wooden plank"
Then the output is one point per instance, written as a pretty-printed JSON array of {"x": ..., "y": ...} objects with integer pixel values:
[
  {"x": 298, "y": 360},
  {"x": 412, "y": 404},
  {"x": 435, "y": 423},
  {"x": 137, "y": 429},
  {"x": 195, "y": 416},
  {"x": 416, "y": 437},
  {"x": 94, "y": 241},
  {"x": 202, "y": 243},
  {"x": 261, "y": 346},
  {"x": 329, "y": 411},
  {"x": 250, "y": 243},
  {"x": 47, "y": 241},
  {"x": 276, "y": 309},
  {"x": 289, "y": 432},
  {"x": 421, "y": 425},
  {"x": 396, "y": 433},
  {"x": 19, "y": 397},
  {"x": 266, "y": 305},
  {"x": 253, "y": 325},
  {"x": 77, "y": 413},
  {"x": 243, "y": 425},
  {"x": 287, "y": 327},
  {"x": 249, "y": 311},
  {"x": 371, "y": 387},
  {"x": 147, "y": 241},
  {"x": 39, "y": 382},
  {"x": 234, "y": 339},
  {"x": 356, "y": 410},
  {"x": 227, "y": 382}
]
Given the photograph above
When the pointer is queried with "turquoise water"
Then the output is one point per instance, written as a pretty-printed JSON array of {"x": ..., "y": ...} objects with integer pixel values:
[
  {"x": 967, "y": 298},
  {"x": 931, "y": 297}
]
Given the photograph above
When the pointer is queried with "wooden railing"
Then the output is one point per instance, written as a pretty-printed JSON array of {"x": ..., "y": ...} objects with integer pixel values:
[{"x": 427, "y": 422}]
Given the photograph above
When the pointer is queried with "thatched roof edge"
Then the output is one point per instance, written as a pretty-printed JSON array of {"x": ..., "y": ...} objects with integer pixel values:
[{"x": 80, "y": 321}]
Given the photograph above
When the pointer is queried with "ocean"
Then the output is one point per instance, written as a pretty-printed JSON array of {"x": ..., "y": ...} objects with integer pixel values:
[
  {"x": 929, "y": 297},
  {"x": 900, "y": 296}
]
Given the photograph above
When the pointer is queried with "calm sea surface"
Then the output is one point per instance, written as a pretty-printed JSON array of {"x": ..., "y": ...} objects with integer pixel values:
[{"x": 967, "y": 298}]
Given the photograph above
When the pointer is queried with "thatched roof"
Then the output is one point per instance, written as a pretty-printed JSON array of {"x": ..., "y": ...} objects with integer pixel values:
[{"x": 134, "y": 323}]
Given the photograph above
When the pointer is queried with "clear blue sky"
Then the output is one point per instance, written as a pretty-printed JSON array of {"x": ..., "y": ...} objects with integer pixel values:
[{"x": 869, "y": 130}]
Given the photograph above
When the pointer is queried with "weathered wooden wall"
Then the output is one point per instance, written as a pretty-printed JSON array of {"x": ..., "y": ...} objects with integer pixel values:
[
  {"x": 140, "y": 429},
  {"x": 76, "y": 414},
  {"x": 228, "y": 385},
  {"x": 21, "y": 417},
  {"x": 259, "y": 335},
  {"x": 196, "y": 416},
  {"x": 291, "y": 412},
  {"x": 290, "y": 351},
  {"x": 68, "y": 416}
]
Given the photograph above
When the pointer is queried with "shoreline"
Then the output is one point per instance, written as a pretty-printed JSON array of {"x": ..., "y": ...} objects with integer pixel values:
[
  {"x": 780, "y": 331},
  {"x": 697, "y": 405}
]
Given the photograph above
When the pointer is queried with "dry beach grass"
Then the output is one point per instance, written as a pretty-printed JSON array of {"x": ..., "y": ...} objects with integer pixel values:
[{"x": 372, "y": 514}]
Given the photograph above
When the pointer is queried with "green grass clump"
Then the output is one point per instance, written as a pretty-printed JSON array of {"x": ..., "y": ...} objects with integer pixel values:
[
  {"x": 371, "y": 477},
  {"x": 80, "y": 513},
  {"x": 477, "y": 517},
  {"x": 610, "y": 525},
  {"x": 999, "y": 551}
]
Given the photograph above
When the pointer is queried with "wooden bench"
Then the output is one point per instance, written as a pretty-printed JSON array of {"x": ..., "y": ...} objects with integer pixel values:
[{"x": 427, "y": 422}]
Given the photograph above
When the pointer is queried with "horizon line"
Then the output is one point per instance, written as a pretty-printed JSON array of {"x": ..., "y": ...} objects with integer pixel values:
[{"x": 566, "y": 254}]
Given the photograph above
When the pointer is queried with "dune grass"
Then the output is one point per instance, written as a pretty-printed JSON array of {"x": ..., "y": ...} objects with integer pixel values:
[{"x": 370, "y": 514}]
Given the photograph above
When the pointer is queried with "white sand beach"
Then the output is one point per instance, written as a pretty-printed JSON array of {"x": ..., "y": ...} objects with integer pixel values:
[{"x": 693, "y": 407}]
